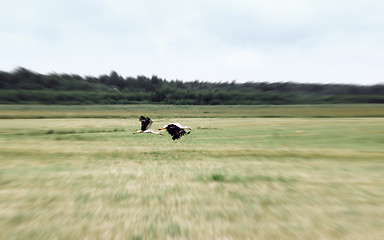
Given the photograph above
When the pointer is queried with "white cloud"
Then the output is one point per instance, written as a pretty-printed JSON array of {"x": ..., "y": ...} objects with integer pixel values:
[
  {"x": 241, "y": 58},
  {"x": 275, "y": 40}
]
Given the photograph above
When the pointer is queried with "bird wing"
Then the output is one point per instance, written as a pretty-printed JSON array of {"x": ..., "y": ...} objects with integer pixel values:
[
  {"x": 146, "y": 123},
  {"x": 178, "y": 125},
  {"x": 175, "y": 131},
  {"x": 150, "y": 123}
]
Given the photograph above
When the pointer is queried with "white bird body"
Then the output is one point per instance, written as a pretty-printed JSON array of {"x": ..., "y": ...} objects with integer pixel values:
[{"x": 147, "y": 131}]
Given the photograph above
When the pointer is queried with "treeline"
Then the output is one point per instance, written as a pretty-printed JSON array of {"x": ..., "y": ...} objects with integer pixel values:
[{"x": 23, "y": 86}]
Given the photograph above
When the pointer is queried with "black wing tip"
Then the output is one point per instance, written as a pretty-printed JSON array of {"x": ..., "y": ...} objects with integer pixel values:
[
  {"x": 175, "y": 138},
  {"x": 143, "y": 118}
]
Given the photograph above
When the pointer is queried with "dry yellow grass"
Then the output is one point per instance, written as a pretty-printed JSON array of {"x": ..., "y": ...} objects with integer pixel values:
[{"x": 238, "y": 178}]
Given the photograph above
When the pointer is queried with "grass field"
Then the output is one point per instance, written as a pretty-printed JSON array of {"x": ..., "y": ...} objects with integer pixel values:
[
  {"x": 83, "y": 175},
  {"x": 176, "y": 111}
]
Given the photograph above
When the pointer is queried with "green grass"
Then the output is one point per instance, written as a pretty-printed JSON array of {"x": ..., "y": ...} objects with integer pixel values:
[
  {"x": 177, "y": 111},
  {"x": 231, "y": 178}
]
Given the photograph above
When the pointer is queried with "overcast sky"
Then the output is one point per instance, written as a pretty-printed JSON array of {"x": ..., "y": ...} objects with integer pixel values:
[{"x": 318, "y": 41}]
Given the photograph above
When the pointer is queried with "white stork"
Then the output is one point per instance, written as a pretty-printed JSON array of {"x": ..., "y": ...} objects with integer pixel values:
[
  {"x": 146, "y": 123},
  {"x": 176, "y": 130}
]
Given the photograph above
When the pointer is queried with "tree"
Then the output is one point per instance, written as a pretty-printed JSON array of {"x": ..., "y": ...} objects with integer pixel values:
[{"x": 116, "y": 80}]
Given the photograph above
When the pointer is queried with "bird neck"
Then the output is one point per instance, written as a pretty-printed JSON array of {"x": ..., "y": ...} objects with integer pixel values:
[{"x": 151, "y": 131}]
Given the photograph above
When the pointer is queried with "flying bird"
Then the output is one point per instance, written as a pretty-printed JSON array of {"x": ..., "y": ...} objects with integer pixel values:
[
  {"x": 146, "y": 123},
  {"x": 176, "y": 130}
]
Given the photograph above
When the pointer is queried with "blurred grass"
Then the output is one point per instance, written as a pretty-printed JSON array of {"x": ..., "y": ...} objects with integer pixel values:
[
  {"x": 182, "y": 111},
  {"x": 231, "y": 178}
]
